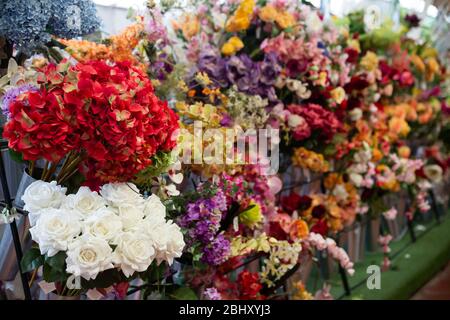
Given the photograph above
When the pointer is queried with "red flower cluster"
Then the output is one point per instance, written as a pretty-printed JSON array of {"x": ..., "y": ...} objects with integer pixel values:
[
  {"x": 318, "y": 121},
  {"x": 294, "y": 201},
  {"x": 249, "y": 286},
  {"x": 107, "y": 113},
  {"x": 40, "y": 127}
]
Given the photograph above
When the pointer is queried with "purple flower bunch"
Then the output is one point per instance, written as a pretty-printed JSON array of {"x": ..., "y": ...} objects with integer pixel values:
[
  {"x": 202, "y": 219},
  {"x": 11, "y": 94},
  {"x": 251, "y": 77}
]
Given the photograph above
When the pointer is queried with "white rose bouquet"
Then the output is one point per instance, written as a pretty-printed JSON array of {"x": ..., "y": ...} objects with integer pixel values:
[{"x": 99, "y": 238}]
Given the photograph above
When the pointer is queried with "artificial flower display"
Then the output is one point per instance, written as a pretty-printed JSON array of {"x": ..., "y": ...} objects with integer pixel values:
[{"x": 141, "y": 189}]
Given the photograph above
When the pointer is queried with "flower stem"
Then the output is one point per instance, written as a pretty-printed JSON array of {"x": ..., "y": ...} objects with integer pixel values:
[
  {"x": 69, "y": 170},
  {"x": 31, "y": 165},
  {"x": 44, "y": 172}
]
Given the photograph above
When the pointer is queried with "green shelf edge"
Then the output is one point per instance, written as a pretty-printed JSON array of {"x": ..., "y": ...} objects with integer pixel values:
[{"x": 411, "y": 268}]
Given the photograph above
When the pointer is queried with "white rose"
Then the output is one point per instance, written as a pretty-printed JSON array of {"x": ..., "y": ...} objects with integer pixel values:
[
  {"x": 363, "y": 156},
  {"x": 154, "y": 207},
  {"x": 87, "y": 256},
  {"x": 43, "y": 195},
  {"x": 166, "y": 237},
  {"x": 172, "y": 190},
  {"x": 118, "y": 194},
  {"x": 433, "y": 172},
  {"x": 85, "y": 202},
  {"x": 356, "y": 179},
  {"x": 340, "y": 192},
  {"x": 170, "y": 243},
  {"x": 54, "y": 230},
  {"x": 313, "y": 23},
  {"x": 131, "y": 215},
  {"x": 355, "y": 114},
  {"x": 219, "y": 19},
  {"x": 295, "y": 120},
  {"x": 134, "y": 252},
  {"x": 293, "y": 85},
  {"x": 104, "y": 224}
]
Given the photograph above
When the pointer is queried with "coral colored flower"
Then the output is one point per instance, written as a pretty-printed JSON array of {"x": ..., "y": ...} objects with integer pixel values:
[{"x": 298, "y": 229}]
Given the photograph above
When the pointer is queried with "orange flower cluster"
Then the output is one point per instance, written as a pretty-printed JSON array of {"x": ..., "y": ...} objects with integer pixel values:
[
  {"x": 84, "y": 50},
  {"x": 311, "y": 160},
  {"x": 117, "y": 48}
]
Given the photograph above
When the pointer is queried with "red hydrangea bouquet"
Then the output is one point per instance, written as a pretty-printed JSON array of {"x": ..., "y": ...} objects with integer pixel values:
[{"x": 100, "y": 118}]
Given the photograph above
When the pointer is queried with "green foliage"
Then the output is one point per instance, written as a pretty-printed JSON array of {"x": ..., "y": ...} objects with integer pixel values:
[
  {"x": 55, "y": 268},
  {"x": 381, "y": 38},
  {"x": 106, "y": 279},
  {"x": 183, "y": 293},
  {"x": 16, "y": 156},
  {"x": 160, "y": 162},
  {"x": 356, "y": 22},
  {"x": 31, "y": 260}
]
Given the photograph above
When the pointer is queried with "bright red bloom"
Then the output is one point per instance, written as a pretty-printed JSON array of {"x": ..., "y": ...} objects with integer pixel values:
[
  {"x": 249, "y": 285},
  {"x": 109, "y": 114},
  {"x": 295, "y": 202},
  {"x": 318, "y": 120},
  {"x": 320, "y": 227},
  {"x": 40, "y": 127}
]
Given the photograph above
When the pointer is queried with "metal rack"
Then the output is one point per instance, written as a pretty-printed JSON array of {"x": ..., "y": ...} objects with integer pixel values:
[{"x": 8, "y": 204}]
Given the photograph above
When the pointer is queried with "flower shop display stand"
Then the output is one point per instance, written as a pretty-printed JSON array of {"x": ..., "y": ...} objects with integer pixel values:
[
  {"x": 412, "y": 265},
  {"x": 8, "y": 204}
]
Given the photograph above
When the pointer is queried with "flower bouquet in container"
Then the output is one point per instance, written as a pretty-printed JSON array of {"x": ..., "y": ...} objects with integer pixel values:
[
  {"x": 96, "y": 121},
  {"x": 95, "y": 242},
  {"x": 77, "y": 127}
]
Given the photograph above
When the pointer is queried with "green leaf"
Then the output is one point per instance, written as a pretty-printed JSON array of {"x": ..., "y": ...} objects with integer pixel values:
[
  {"x": 57, "y": 261},
  {"x": 184, "y": 293},
  {"x": 53, "y": 275},
  {"x": 32, "y": 259},
  {"x": 16, "y": 156},
  {"x": 105, "y": 279}
]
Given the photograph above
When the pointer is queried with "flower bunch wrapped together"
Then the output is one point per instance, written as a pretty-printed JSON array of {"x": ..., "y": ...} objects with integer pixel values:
[
  {"x": 102, "y": 117},
  {"x": 116, "y": 228},
  {"x": 202, "y": 220},
  {"x": 312, "y": 119}
]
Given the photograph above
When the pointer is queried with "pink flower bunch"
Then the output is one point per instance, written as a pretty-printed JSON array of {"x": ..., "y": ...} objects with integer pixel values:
[
  {"x": 422, "y": 202},
  {"x": 384, "y": 242},
  {"x": 317, "y": 241},
  {"x": 290, "y": 50},
  {"x": 390, "y": 214},
  {"x": 155, "y": 28},
  {"x": 406, "y": 168}
]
